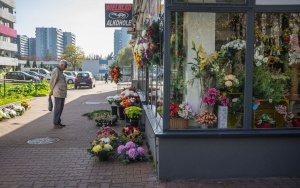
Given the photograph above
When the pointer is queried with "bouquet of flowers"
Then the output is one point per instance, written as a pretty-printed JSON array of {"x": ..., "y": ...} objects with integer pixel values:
[
  {"x": 206, "y": 117},
  {"x": 287, "y": 116},
  {"x": 114, "y": 100},
  {"x": 186, "y": 111},
  {"x": 131, "y": 152},
  {"x": 101, "y": 148},
  {"x": 214, "y": 96},
  {"x": 20, "y": 110},
  {"x": 115, "y": 74},
  {"x": 132, "y": 133},
  {"x": 109, "y": 134},
  {"x": 26, "y": 105},
  {"x": 9, "y": 110}
]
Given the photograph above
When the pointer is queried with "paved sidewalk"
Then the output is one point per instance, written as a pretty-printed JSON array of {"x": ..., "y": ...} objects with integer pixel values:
[{"x": 66, "y": 163}]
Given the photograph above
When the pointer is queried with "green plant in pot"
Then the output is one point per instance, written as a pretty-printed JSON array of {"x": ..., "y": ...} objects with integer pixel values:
[
  {"x": 265, "y": 121},
  {"x": 133, "y": 112},
  {"x": 105, "y": 119}
]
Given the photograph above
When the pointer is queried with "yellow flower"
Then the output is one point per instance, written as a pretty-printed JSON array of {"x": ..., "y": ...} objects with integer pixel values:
[
  {"x": 111, "y": 137},
  {"x": 108, "y": 147},
  {"x": 96, "y": 148}
]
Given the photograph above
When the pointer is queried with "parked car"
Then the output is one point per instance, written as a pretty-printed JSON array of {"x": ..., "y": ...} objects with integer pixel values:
[
  {"x": 85, "y": 78},
  {"x": 32, "y": 73},
  {"x": 42, "y": 71},
  {"x": 69, "y": 79},
  {"x": 71, "y": 73},
  {"x": 20, "y": 75}
]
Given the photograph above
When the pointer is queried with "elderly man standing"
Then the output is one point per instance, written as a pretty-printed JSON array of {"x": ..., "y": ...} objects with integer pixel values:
[{"x": 58, "y": 88}]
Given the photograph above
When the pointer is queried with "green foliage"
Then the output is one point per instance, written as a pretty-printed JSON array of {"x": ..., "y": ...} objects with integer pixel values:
[
  {"x": 265, "y": 118},
  {"x": 22, "y": 91},
  {"x": 133, "y": 112},
  {"x": 90, "y": 115},
  {"x": 27, "y": 64},
  {"x": 74, "y": 55},
  {"x": 267, "y": 85},
  {"x": 34, "y": 64},
  {"x": 125, "y": 56}
]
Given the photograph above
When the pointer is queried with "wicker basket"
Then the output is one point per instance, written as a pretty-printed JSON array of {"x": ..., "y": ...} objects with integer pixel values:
[{"x": 178, "y": 123}]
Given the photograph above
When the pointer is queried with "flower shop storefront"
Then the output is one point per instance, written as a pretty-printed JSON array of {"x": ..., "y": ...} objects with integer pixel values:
[{"x": 227, "y": 102}]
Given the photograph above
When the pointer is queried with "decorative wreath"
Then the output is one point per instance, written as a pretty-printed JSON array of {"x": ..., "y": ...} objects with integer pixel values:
[{"x": 115, "y": 74}]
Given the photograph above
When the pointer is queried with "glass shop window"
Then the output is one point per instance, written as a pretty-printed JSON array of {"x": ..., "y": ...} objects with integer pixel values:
[
  {"x": 211, "y": 1},
  {"x": 207, "y": 70},
  {"x": 276, "y": 99}
]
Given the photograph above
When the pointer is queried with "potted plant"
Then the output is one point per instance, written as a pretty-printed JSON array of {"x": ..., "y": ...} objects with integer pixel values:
[
  {"x": 131, "y": 133},
  {"x": 102, "y": 149},
  {"x": 114, "y": 101},
  {"x": 265, "y": 121},
  {"x": 104, "y": 145},
  {"x": 133, "y": 114},
  {"x": 130, "y": 152},
  {"x": 105, "y": 119},
  {"x": 206, "y": 119}
]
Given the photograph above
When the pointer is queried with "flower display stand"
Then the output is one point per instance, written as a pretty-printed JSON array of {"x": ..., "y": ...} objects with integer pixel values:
[
  {"x": 222, "y": 116},
  {"x": 114, "y": 110},
  {"x": 178, "y": 123},
  {"x": 121, "y": 113}
]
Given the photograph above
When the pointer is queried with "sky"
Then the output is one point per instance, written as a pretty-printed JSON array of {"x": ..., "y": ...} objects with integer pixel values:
[{"x": 84, "y": 18}]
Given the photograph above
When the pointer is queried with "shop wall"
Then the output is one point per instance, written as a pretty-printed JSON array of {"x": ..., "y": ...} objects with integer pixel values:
[{"x": 228, "y": 157}]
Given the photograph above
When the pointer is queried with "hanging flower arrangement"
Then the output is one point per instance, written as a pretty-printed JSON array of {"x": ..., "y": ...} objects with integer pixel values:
[{"x": 115, "y": 74}]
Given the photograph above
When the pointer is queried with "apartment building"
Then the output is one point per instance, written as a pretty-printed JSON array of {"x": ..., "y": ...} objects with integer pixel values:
[
  {"x": 8, "y": 34},
  {"x": 23, "y": 45},
  {"x": 69, "y": 38},
  {"x": 49, "y": 43},
  {"x": 121, "y": 39}
]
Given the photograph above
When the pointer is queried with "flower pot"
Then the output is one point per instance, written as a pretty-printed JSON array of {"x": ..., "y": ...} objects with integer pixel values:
[
  {"x": 204, "y": 126},
  {"x": 103, "y": 156},
  {"x": 264, "y": 125},
  {"x": 178, "y": 123},
  {"x": 134, "y": 121},
  {"x": 114, "y": 110},
  {"x": 121, "y": 113},
  {"x": 296, "y": 122}
]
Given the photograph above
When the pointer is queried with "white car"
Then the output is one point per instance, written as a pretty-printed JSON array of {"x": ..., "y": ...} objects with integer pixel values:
[{"x": 69, "y": 79}]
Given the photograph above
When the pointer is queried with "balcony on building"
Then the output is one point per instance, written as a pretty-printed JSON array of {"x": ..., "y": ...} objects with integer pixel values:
[
  {"x": 7, "y": 16},
  {"x": 10, "y": 3},
  {"x": 8, "y": 31},
  {"x": 8, "y": 46}
]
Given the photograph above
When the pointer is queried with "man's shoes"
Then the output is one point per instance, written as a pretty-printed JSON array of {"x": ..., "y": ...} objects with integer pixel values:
[
  {"x": 62, "y": 125},
  {"x": 57, "y": 126}
]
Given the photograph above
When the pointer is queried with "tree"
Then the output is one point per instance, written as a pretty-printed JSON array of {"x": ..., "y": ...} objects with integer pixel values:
[
  {"x": 49, "y": 56},
  {"x": 110, "y": 56},
  {"x": 18, "y": 67},
  {"x": 34, "y": 64},
  {"x": 125, "y": 57},
  {"x": 27, "y": 64},
  {"x": 42, "y": 65},
  {"x": 74, "y": 55}
]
